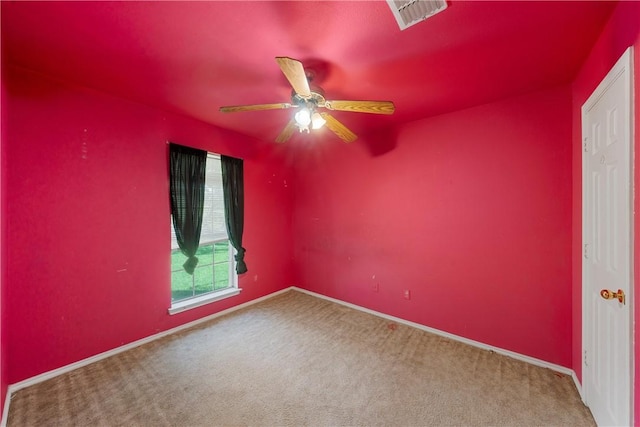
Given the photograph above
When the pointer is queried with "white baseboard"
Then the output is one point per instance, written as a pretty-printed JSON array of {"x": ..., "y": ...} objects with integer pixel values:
[
  {"x": 68, "y": 368},
  {"x": 12, "y": 388},
  {"x": 578, "y": 385},
  {"x": 512, "y": 354},
  {"x": 5, "y": 410}
]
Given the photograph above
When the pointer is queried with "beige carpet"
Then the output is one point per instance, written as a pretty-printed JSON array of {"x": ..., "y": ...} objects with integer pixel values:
[{"x": 299, "y": 360}]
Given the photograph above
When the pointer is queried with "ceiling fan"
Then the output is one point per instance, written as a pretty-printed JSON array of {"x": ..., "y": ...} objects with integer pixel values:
[{"x": 308, "y": 99}]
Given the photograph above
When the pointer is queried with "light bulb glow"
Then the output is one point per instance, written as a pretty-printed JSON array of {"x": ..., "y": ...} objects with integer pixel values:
[
  {"x": 303, "y": 117},
  {"x": 317, "y": 121}
]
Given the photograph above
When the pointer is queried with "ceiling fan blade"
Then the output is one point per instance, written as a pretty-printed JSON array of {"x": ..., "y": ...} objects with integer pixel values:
[
  {"x": 294, "y": 72},
  {"x": 338, "y": 128},
  {"x": 287, "y": 131},
  {"x": 255, "y": 107},
  {"x": 374, "y": 107}
]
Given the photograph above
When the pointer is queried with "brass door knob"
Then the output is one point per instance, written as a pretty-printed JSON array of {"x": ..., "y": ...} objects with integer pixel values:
[{"x": 607, "y": 294}]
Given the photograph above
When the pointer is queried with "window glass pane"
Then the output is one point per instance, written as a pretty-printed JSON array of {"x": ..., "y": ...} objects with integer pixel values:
[
  {"x": 204, "y": 254},
  {"x": 213, "y": 225},
  {"x": 181, "y": 285},
  {"x": 203, "y": 277},
  {"x": 221, "y": 260},
  {"x": 221, "y": 251},
  {"x": 222, "y": 276},
  {"x": 177, "y": 259}
]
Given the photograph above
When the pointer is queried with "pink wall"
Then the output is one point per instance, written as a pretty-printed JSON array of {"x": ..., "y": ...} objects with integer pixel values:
[
  {"x": 3, "y": 270},
  {"x": 622, "y": 31},
  {"x": 88, "y": 221},
  {"x": 470, "y": 211}
]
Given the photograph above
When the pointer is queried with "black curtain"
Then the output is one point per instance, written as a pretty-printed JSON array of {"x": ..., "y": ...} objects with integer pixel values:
[
  {"x": 233, "y": 186},
  {"x": 187, "y": 174}
]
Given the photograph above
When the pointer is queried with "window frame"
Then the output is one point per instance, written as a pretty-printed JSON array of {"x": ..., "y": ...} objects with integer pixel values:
[{"x": 215, "y": 295}]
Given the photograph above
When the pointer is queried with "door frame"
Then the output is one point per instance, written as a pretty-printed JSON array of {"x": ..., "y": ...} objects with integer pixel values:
[{"x": 625, "y": 62}]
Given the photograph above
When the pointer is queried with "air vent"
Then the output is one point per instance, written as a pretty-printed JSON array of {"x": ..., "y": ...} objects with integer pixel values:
[{"x": 410, "y": 12}]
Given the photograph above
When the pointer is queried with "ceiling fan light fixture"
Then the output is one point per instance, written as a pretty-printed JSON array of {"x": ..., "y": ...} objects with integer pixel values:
[
  {"x": 317, "y": 121},
  {"x": 308, "y": 101},
  {"x": 303, "y": 118}
]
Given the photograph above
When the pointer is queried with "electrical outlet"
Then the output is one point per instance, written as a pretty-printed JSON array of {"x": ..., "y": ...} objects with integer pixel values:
[
  {"x": 407, "y": 294},
  {"x": 375, "y": 287}
]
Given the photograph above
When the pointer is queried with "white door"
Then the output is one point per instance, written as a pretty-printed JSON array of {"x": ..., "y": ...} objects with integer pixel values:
[{"x": 607, "y": 252}]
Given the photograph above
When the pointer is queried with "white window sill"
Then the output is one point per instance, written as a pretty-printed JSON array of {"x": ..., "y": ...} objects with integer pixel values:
[{"x": 180, "y": 306}]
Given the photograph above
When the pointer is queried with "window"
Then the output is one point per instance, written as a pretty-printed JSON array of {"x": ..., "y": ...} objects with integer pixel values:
[{"x": 214, "y": 277}]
